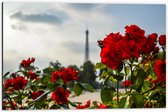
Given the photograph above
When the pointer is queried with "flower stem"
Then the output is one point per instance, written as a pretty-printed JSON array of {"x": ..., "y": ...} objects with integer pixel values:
[{"x": 117, "y": 92}]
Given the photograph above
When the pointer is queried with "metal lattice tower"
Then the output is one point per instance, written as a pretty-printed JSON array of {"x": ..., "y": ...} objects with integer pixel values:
[{"x": 87, "y": 46}]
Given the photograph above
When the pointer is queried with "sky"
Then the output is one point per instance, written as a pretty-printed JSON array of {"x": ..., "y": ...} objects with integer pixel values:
[{"x": 56, "y": 31}]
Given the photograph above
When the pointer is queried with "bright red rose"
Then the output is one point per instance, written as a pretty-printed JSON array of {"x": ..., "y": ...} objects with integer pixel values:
[
  {"x": 32, "y": 75},
  {"x": 60, "y": 95},
  {"x": 102, "y": 106},
  {"x": 87, "y": 104},
  {"x": 160, "y": 70},
  {"x": 162, "y": 40},
  {"x": 36, "y": 94},
  {"x": 19, "y": 83},
  {"x": 80, "y": 106},
  {"x": 135, "y": 33},
  {"x": 55, "y": 76},
  {"x": 134, "y": 36},
  {"x": 8, "y": 83},
  {"x": 149, "y": 43},
  {"x": 111, "y": 52},
  {"x": 155, "y": 50},
  {"x": 26, "y": 63},
  {"x": 126, "y": 83},
  {"x": 66, "y": 74}
]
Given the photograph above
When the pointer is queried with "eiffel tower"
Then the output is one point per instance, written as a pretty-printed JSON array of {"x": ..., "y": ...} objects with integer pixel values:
[{"x": 87, "y": 46}]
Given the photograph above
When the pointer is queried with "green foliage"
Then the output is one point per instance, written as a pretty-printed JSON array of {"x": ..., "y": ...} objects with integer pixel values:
[
  {"x": 87, "y": 87},
  {"x": 77, "y": 89},
  {"x": 100, "y": 66},
  {"x": 138, "y": 99},
  {"x": 124, "y": 102},
  {"x": 107, "y": 94}
]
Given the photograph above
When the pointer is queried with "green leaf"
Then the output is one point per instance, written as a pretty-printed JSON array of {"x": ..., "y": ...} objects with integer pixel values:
[
  {"x": 104, "y": 74},
  {"x": 46, "y": 79},
  {"x": 33, "y": 88},
  {"x": 139, "y": 79},
  {"x": 160, "y": 55},
  {"x": 38, "y": 71},
  {"x": 87, "y": 87},
  {"x": 124, "y": 102},
  {"x": 100, "y": 66},
  {"x": 138, "y": 99},
  {"x": 48, "y": 70},
  {"x": 6, "y": 74},
  {"x": 121, "y": 67},
  {"x": 127, "y": 70},
  {"x": 107, "y": 94},
  {"x": 77, "y": 89},
  {"x": 42, "y": 97},
  {"x": 118, "y": 77},
  {"x": 145, "y": 86},
  {"x": 72, "y": 104}
]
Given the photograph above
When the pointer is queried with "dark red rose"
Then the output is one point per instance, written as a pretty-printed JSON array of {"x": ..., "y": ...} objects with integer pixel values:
[
  {"x": 60, "y": 95},
  {"x": 36, "y": 94},
  {"x": 87, "y": 104},
  {"x": 149, "y": 43},
  {"x": 66, "y": 74},
  {"x": 160, "y": 70},
  {"x": 32, "y": 75},
  {"x": 80, "y": 106},
  {"x": 135, "y": 33},
  {"x": 155, "y": 50},
  {"x": 19, "y": 83},
  {"x": 8, "y": 83},
  {"x": 111, "y": 53},
  {"x": 126, "y": 83},
  {"x": 55, "y": 76},
  {"x": 162, "y": 40},
  {"x": 26, "y": 63},
  {"x": 102, "y": 106},
  {"x": 14, "y": 104}
]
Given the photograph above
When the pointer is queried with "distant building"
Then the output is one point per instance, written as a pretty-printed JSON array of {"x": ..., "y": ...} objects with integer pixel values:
[{"x": 87, "y": 46}]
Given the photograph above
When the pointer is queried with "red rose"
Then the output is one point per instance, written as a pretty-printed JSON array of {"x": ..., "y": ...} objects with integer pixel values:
[
  {"x": 27, "y": 62},
  {"x": 126, "y": 83},
  {"x": 149, "y": 43},
  {"x": 19, "y": 82},
  {"x": 36, "y": 94},
  {"x": 66, "y": 74},
  {"x": 111, "y": 52},
  {"x": 162, "y": 40},
  {"x": 80, "y": 106},
  {"x": 160, "y": 70},
  {"x": 87, "y": 104},
  {"x": 155, "y": 50},
  {"x": 102, "y": 106},
  {"x": 32, "y": 75},
  {"x": 134, "y": 36},
  {"x": 60, "y": 95},
  {"x": 8, "y": 83},
  {"x": 55, "y": 76},
  {"x": 135, "y": 33}
]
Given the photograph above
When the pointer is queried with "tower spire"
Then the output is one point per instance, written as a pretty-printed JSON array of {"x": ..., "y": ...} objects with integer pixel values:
[{"x": 87, "y": 46}]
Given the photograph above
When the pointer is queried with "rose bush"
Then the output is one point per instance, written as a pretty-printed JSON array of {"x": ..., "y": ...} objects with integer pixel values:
[
  {"x": 135, "y": 60},
  {"x": 138, "y": 60},
  {"x": 31, "y": 88}
]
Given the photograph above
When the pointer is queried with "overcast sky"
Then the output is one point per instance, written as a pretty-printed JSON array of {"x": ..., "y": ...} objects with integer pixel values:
[{"x": 56, "y": 31}]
